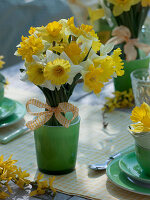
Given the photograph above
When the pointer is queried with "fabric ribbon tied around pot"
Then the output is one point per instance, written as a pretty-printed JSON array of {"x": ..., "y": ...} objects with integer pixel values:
[
  {"x": 122, "y": 34},
  {"x": 43, "y": 117}
]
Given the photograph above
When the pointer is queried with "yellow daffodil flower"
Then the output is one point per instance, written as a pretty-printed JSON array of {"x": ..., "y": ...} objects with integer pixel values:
[
  {"x": 52, "y": 32},
  {"x": 54, "y": 28},
  {"x": 57, "y": 71},
  {"x": 141, "y": 115},
  {"x": 32, "y": 30},
  {"x": 74, "y": 52},
  {"x": 107, "y": 65},
  {"x": 85, "y": 30},
  {"x": 35, "y": 73},
  {"x": 145, "y": 3},
  {"x": 95, "y": 14},
  {"x": 29, "y": 47},
  {"x": 122, "y": 5},
  {"x": 74, "y": 30},
  {"x": 92, "y": 79},
  {"x": 1, "y": 61},
  {"x": 119, "y": 65}
]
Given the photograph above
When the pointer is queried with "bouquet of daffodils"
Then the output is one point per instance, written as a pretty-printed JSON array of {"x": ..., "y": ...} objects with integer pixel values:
[
  {"x": 126, "y": 18},
  {"x": 129, "y": 17},
  {"x": 59, "y": 54}
]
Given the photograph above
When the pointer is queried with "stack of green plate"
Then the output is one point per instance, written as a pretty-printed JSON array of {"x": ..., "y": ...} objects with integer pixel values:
[
  {"x": 126, "y": 173},
  {"x": 11, "y": 112}
]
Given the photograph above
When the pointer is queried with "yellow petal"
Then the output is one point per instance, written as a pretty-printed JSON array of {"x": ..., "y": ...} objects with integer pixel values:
[{"x": 95, "y": 14}]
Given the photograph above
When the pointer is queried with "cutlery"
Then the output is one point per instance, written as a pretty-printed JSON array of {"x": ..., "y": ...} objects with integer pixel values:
[
  {"x": 103, "y": 166},
  {"x": 6, "y": 137}
]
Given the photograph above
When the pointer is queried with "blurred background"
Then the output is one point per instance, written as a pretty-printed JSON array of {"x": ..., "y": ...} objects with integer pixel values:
[{"x": 16, "y": 17}]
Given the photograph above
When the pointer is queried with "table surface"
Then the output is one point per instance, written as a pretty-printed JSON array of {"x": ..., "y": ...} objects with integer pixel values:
[{"x": 12, "y": 74}]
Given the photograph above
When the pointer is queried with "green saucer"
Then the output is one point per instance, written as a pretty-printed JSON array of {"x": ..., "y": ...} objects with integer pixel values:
[
  {"x": 18, "y": 114},
  {"x": 131, "y": 167},
  {"x": 7, "y": 108},
  {"x": 119, "y": 178}
]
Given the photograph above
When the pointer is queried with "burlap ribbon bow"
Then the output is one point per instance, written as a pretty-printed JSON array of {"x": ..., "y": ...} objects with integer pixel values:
[
  {"x": 122, "y": 34},
  {"x": 43, "y": 117}
]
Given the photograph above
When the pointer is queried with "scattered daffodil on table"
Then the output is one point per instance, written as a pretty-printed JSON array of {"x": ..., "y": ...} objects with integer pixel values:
[
  {"x": 141, "y": 117},
  {"x": 120, "y": 100},
  {"x": 10, "y": 173}
]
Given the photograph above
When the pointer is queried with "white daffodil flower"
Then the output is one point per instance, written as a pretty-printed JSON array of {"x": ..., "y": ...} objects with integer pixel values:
[{"x": 74, "y": 69}]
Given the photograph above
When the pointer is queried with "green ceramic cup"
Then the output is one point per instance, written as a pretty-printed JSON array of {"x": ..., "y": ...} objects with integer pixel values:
[
  {"x": 143, "y": 158},
  {"x": 122, "y": 83},
  {"x": 1, "y": 91},
  {"x": 56, "y": 147},
  {"x": 142, "y": 149}
]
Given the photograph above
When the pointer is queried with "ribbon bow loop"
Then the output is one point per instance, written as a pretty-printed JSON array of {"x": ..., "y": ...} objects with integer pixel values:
[
  {"x": 43, "y": 117},
  {"x": 122, "y": 34}
]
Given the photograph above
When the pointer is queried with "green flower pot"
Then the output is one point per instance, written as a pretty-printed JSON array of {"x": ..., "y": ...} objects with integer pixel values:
[
  {"x": 124, "y": 82},
  {"x": 56, "y": 147}
]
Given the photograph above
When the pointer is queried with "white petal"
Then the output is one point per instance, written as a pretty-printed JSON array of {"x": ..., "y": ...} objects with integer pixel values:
[
  {"x": 48, "y": 85},
  {"x": 65, "y": 57},
  {"x": 36, "y": 58},
  {"x": 19, "y": 45},
  {"x": 76, "y": 69},
  {"x": 70, "y": 79},
  {"x": 105, "y": 49},
  {"x": 58, "y": 87},
  {"x": 63, "y": 21},
  {"x": 48, "y": 55},
  {"x": 86, "y": 64},
  {"x": 85, "y": 42},
  {"x": 92, "y": 55},
  {"x": 16, "y": 53}
]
